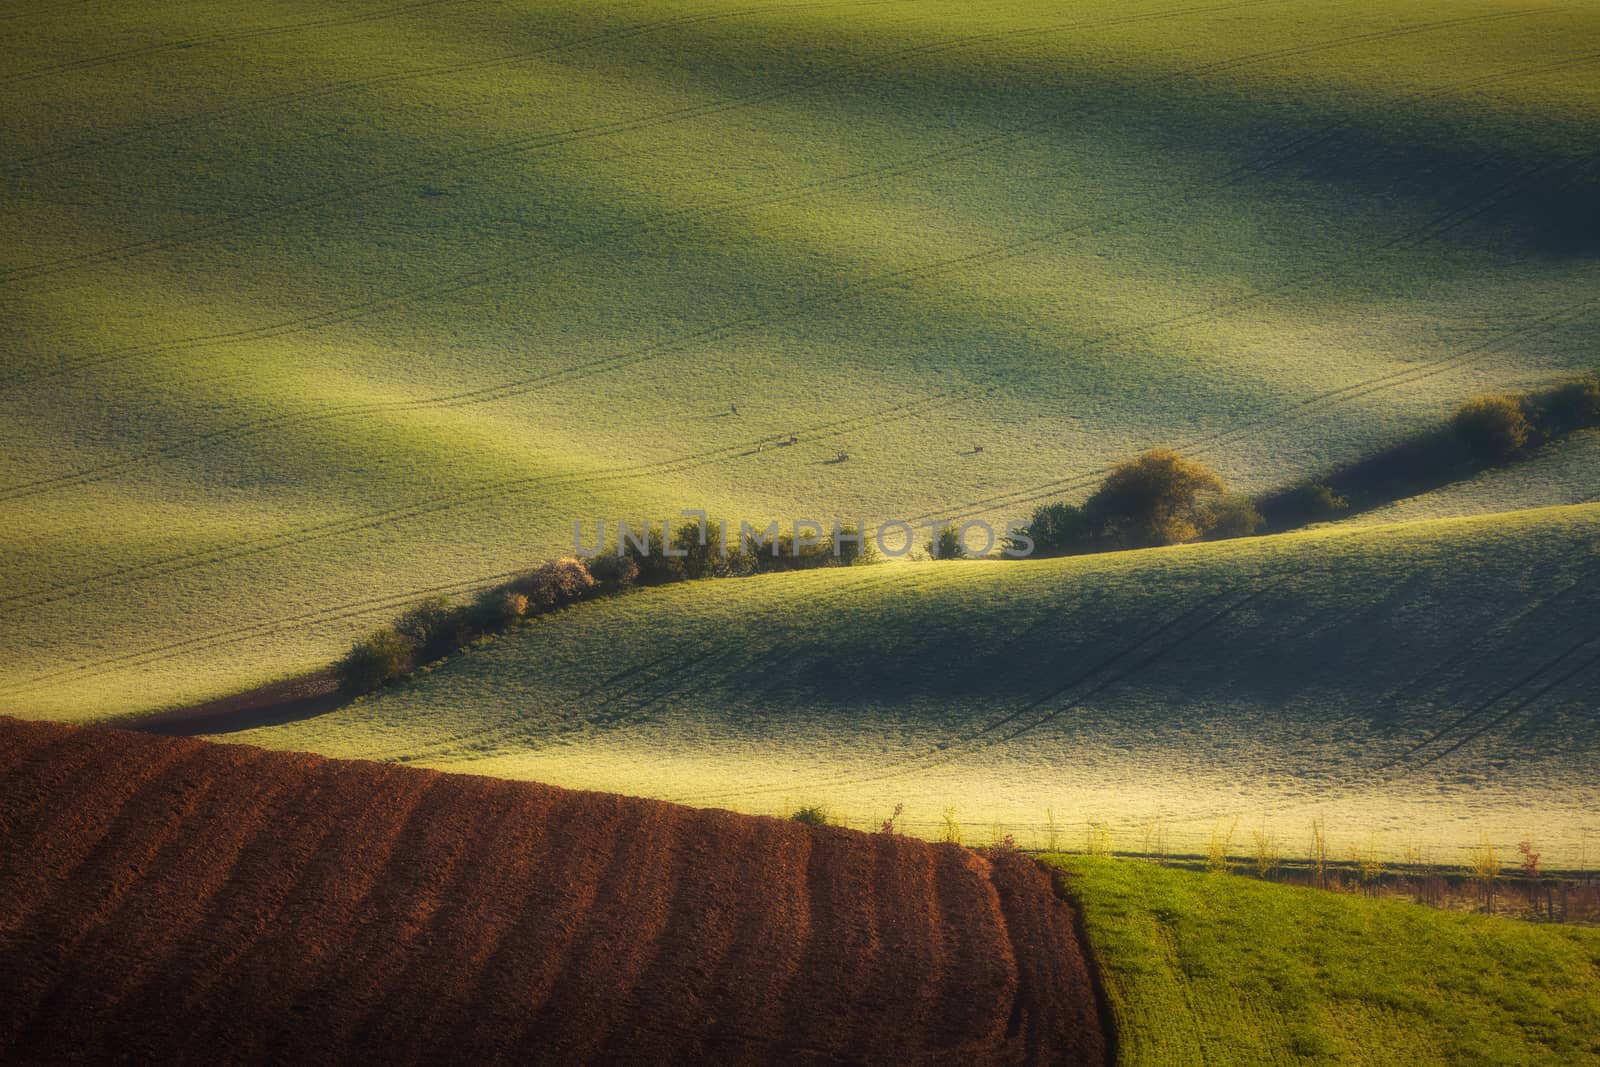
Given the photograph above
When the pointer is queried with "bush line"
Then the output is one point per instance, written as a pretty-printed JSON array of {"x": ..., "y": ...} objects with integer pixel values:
[{"x": 437, "y": 628}]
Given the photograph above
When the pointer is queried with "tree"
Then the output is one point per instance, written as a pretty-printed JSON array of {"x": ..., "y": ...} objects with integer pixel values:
[
  {"x": 1493, "y": 427},
  {"x": 374, "y": 662},
  {"x": 613, "y": 573},
  {"x": 1314, "y": 503},
  {"x": 554, "y": 584},
  {"x": 498, "y": 608},
  {"x": 435, "y": 628},
  {"x": 713, "y": 559},
  {"x": 1230, "y": 515},
  {"x": 1059, "y": 529},
  {"x": 1574, "y": 405},
  {"x": 946, "y": 544},
  {"x": 1153, "y": 500}
]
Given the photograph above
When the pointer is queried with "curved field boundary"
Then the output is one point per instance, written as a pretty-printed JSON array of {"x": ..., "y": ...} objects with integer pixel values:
[
  {"x": 624, "y": 698},
  {"x": 173, "y": 900}
]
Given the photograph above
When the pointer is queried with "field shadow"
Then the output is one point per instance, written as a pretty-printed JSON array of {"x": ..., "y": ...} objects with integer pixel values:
[{"x": 291, "y": 700}]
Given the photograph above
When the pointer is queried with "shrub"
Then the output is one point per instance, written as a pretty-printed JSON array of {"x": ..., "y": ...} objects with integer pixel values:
[
  {"x": 553, "y": 585},
  {"x": 435, "y": 628},
  {"x": 1230, "y": 515},
  {"x": 374, "y": 662},
  {"x": 788, "y": 558},
  {"x": 1314, "y": 503},
  {"x": 1058, "y": 529},
  {"x": 811, "y": 815},
  {"x": 946, "y": 544},
  {"x": 1152, "y": 500},
  {"x": 1219, "y": 847},
  {"x": 1493, "y": 427},
  {"x": 498, "y": 608},
  {"x": 1484, "y": 868},
  {"x": 653, "y": 563},
  {"x": 714, "y": 559},
  {"x": 1573, "y": 406},
  {"x": 612, "y": 572},
  {"x": 852, "y": 553},
  {"x": 1266, "y": 853},
  {"x": 950, "y": 833}
]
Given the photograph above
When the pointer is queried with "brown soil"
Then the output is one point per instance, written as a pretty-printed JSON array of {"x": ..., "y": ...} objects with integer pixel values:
[{"x": 175, "y": 900}]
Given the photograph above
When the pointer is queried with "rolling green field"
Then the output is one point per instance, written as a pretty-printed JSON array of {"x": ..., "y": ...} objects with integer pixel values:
[
  {"x": 306, "y": 308},
  {"x": 1216, "y": 969},
  {"x": 1417, "y": 686}
]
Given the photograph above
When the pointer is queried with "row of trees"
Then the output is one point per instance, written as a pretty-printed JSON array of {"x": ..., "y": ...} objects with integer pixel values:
[
  {"x": 436, "y": 628},
  {"x": 710, "y": 552},
  {"x": 1163, "y": 498},
  {"x": 1158, "y": 498}
]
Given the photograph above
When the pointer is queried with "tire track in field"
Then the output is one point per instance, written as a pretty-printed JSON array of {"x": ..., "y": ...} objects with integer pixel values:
[
  {"x": 1107, "y": 672},
  {"x": 539, "y": 142},
  {"x": 1400, "y": 770},
  {"x": 514, "y": 266},
  {"x": 633, "y": 696},
  {"x": 247, "y": 632},
  {"x": 7, "y": 604},
  {"x": 508, "y": 390},
  {"x": 1544, "y": 690},
  {"x": 635, "y": 701},
  {"x": 1294, "y": 147},
  {"x": 1416, "y": 758},
  {"x": 446, "y": 502},
  {"x": 207, "y": 40},
  {"x": 523, "y": 146},
  {"x": 1397, "y": 769},
  {"x": 1416, "y": 236},
  {"x": 1500, "y": 626},
  {"x": 353, "y": 85}
]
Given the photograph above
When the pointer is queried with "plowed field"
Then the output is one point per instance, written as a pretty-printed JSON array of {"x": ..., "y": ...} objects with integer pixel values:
[{"x": 175, "y": 899}]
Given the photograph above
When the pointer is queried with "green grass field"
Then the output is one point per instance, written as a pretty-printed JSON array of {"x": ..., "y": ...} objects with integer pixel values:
[
  {"x": 1416, "y": 686},
  {"x": 1566, "y": 472},
  {"x": 308, "y": 308},
  {"x": 1218, "y": 969}
]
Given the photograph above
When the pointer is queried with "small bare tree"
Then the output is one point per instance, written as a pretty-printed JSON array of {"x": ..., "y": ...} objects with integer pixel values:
[
  {"x": 1484, "y": 869},
  {"x": 1319, "y": 852}
]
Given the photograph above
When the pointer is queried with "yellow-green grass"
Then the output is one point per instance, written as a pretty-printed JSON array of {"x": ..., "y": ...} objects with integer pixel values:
[
  {"x": 306, "y": 308},
  {"x": 1221, "y": 969},
  {"x": 1415, "y": 686}
]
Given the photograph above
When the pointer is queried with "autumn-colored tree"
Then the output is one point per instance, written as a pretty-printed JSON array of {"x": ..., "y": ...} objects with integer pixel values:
[{"x": 1154, "y": 499}]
